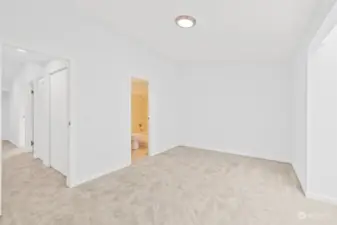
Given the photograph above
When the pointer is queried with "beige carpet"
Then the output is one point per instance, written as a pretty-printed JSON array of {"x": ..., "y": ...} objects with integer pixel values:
[
  {"x": 183, "y": 186},
  {"x": 9, "y": 150}
]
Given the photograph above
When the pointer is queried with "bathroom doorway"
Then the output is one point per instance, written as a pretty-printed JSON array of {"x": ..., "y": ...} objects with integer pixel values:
[{"x": 139, "y": 119}]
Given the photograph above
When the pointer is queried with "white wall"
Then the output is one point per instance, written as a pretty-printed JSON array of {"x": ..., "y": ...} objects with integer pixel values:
[
  {"x": 6, "y": 85},
  {"x": 311, "y": 37},
  {"x": 239, "y": 108},
  {"x": 18, "y": 100},
  {"x": 315, "y": 109},
  {"x": 322, "y": 120},
  {"x": 102, "y": 63},
  {"x": 17, "y": 112},
  {"x": 5, "y": 115}
]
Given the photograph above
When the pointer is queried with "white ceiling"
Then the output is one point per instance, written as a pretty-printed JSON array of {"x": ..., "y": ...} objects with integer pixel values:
[
  {"x": 234, "y": 30},
  {"x": 14, "y": 61}
]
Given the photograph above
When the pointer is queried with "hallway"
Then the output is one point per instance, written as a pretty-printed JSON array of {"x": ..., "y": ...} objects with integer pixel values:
[{"x": 9, "y": 150}]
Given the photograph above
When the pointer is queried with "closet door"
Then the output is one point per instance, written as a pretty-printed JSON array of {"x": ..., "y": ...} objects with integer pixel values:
[{"x": 59, "y": 131}]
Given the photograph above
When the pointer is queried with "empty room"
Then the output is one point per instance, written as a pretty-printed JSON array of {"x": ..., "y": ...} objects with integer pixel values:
[{"x": 169, "y": 112}]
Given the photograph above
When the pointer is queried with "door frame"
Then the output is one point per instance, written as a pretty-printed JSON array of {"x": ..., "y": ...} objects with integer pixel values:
[
  {"x": 1, "y": 161},
  {"x": 46, "y": 160},
  {"x": 31, "y": 113},
  {"x": 150, "y": 122},
  {"x": 70, "y": 179}
]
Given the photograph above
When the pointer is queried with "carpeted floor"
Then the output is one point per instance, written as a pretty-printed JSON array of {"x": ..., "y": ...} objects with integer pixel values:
[
  {"x": 183, "y": 186},
  {"x": 9, "y": 150}
]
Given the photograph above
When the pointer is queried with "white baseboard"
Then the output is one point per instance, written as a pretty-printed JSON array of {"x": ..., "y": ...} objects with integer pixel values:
[
  {"x": 152, "y": 153},
  {"x": 233, "y": 152},
  {"x": 26, "y": 149},
  {"x": 321, "y": 198},
  {"x": 13, "y": 142},
  {"x": 300, "y": 179},
  {"x": 307, "y": 194},
  {"x": 72, "y": 184}
]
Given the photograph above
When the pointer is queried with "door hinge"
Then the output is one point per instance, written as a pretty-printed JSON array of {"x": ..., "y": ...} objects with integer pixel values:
[
  {"x": 32, "y": 143},
  {"x": 69, "y": 123},
  {"x": 32, "y": 92}
]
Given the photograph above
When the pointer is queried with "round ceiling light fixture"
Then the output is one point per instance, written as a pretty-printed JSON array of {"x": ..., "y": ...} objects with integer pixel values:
[{"x": 185, "y": 21}]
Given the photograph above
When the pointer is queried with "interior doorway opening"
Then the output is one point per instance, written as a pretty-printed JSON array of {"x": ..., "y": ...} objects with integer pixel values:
[
  {"x": 36, "y": 119},
  {"x": 139, "y": 119}
]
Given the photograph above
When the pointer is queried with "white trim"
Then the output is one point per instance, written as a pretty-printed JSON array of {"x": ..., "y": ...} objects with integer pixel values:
[
  {"x": 73, "y": 183},
  {"x": 328, "y": 23},
  {"x": 327, "y": 26},
  {"x": 1, "y": 162},
  {"x": 71, "y": 162},
  {"x": 299, "y": 178},
  {"x": 238, "y": 153},
  {"x": 321, "y": 198}
]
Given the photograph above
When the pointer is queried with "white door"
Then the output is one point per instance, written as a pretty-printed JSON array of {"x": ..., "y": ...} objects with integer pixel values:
[
  {"x": 30, "y": 120},
  {"x": 59, "y": 122},
  {"x": 41, "y": 120}
]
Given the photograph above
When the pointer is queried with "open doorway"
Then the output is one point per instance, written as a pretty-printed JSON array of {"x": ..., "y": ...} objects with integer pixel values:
[
  {"x": 139, "y": 119},
  {"x": 35, "y": 109}
]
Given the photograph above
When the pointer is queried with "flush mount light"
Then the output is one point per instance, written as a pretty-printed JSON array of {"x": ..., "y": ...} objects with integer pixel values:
[
  {"x": 185, "y": 21},
  {"x": 21, "y": 50}
]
